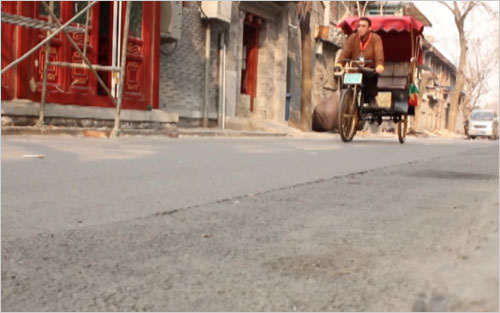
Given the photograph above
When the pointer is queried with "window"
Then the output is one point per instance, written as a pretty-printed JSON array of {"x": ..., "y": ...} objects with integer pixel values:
[
  {"x": 57, "y": 8},
  {"x": 135, "y": 28},
  {"x": 482, "y": 116},
  {"x": 77, "y": 7}
]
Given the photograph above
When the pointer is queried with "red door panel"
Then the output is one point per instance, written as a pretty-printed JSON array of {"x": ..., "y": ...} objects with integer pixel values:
[
  {"x": 67, "y": 85},
  {"x": 26, "y": 70},
  {"x": 82, "y": 81},
  {"x": 9, "y": 48},
  {"x": 136, "y": 93}
]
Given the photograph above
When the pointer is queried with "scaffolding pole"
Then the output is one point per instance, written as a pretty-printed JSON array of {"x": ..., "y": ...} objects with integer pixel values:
[
  {"x": 41, "y": 115},
  {"x": 116, "y": 130},
  {"x": 114, "y": 47},
  {"x": 97, "y": 67}
]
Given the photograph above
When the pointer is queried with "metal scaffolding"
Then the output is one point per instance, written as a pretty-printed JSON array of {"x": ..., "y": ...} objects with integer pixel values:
[{"x": 55, "y": 28}]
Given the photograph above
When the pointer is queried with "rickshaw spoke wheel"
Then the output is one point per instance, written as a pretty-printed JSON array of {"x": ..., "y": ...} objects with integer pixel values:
[
  {"x": 402, "y": 128},
  {"x": 347, "y": 115}
]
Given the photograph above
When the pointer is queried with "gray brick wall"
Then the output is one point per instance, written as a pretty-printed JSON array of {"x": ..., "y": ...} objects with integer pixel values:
[
  {"x": 182, "y": 73},
  {"x": 323, "y": 82},
  {"x": 322, "y": 65},
  {"x": 266, "y": 63},
  {"x": 233, "y": 61}
]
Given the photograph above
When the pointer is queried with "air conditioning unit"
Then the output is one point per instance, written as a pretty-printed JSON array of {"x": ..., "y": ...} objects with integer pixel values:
[
  {"x": 171, "y": 21},
  {"x": 220, "y": 10}
]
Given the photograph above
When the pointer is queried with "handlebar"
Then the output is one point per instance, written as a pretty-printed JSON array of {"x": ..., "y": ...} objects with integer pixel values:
[
  {"x": 338, "y": 70},
  {"x": 357, "y": 61},
  {"x": 366, "y": 69}
]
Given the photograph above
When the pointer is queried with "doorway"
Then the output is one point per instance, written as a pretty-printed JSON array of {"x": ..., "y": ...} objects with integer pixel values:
[
  {"x": 250, "y": 53},
  {"x": 105, "y": 44}
]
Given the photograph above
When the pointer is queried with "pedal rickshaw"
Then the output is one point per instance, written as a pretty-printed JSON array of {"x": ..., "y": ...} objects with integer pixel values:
[{"x": 401, "y": 40}]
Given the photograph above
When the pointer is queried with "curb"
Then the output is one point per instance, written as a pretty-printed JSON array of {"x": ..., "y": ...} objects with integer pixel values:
[
  {"x": 227, "y": 133},
  {"x": 105, "y": 132},
  {"x": 83, "y": 132}
]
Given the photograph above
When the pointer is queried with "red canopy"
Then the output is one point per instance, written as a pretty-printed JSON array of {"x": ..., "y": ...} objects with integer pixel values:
[
  {"x": 395, "y": 32},
  {"x": 384, "y": 24}
]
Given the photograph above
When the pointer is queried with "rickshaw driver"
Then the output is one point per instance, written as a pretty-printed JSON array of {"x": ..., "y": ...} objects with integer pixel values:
[{"x": 365, "y": 45}]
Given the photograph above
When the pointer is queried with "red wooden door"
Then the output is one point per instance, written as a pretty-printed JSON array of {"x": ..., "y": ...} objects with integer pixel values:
[
  {"x": 79, "y": 86},
  {"x": 136, "y": 92},
  {"x": 9, "y": 48},
  {"x": 64, "y": 85},
  {"x": 139, "y": 81},
  {"x": 250, "y": 56}
]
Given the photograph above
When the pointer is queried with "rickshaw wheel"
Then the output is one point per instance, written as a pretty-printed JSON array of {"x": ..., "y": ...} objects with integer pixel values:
[
  {"x": 347, "y": 116},
  {"x": 402, "y": 128}
]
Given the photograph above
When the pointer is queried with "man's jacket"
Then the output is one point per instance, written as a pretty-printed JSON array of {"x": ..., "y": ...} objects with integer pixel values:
[{"x": 373, "y": 49}]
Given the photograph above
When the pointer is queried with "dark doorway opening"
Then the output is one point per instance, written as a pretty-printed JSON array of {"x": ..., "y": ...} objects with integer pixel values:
[
  {"x": 250, "y": 56},
  {"x": 105, "y": 44}
]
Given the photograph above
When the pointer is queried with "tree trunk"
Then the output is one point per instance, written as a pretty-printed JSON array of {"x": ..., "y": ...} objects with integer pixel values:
[
  {"x": 459, "y": 84},
  {"x": 306, "y": 92}
]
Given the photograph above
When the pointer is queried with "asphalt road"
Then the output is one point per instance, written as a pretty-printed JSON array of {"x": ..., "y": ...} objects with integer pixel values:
[
  {"x": 83, "y": 182},
  {"x": 249, "y": 224}
]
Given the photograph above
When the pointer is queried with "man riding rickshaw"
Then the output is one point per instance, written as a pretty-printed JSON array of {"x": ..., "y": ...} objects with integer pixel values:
[
  {"x": 365, "y": 46},
  {"x": 379, "y": 57}
]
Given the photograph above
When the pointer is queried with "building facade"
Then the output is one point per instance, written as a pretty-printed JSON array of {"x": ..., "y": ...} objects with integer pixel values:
[
  {"x": 254, "y": 52},
  {"x": 73, "y": 96},
  {"x": 254, "y": 67},
  {"x": 259, "y": 75},
  {"x": 436, "y": 79}
]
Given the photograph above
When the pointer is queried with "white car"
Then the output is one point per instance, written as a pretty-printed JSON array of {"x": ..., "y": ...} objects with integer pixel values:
[{"x": 482, "y": 123}]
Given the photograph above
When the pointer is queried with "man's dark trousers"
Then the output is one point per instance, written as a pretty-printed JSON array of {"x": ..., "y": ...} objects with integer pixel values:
[{"x": 370, "y": 82}]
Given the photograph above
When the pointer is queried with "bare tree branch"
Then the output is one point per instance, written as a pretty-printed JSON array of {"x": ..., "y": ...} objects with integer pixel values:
[
  {"x": 446, "y": 5},
  {"x": 483, "y": 61},
  {"x": 348, "y": 10},
  {"x": 470, "y": 6},
  {"x": 456, "y": 9},
  {"x": 364, "y": 7},
  {"x": 488, "y": 9},
  {"x": 359, "y": 7},
  {"x": 473, "y": 70}
]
